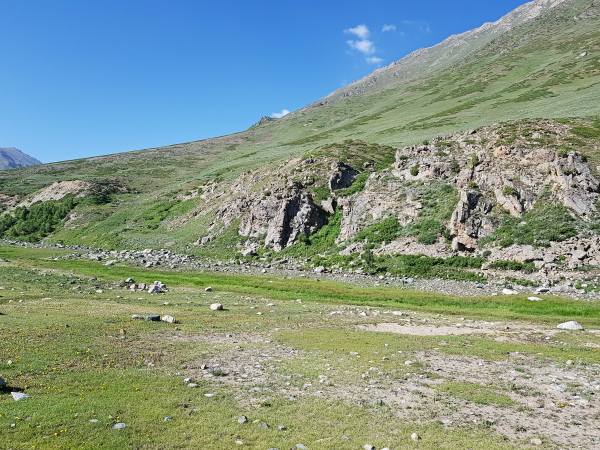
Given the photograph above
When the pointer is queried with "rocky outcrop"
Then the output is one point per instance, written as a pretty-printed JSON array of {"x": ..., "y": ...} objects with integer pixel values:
[
  {"x": 342, "y": 177},
  {"x": 296, "y": 215},
  {"x": 468, "y": 222},
  {"x": 283, "y": 217}
]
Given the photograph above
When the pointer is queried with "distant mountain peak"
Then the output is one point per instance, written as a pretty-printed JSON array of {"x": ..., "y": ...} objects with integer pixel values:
[{"x": 11, "y": 158}]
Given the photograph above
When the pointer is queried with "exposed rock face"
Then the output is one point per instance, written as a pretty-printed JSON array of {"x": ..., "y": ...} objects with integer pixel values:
[
  {"x": 296, "y": 215},
  {"x": 342, "y": 177},
  {"x": 468, "y": 222}
]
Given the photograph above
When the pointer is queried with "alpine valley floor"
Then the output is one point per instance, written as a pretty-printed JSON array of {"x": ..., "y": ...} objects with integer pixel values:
[{"x": 325, "y": 365}]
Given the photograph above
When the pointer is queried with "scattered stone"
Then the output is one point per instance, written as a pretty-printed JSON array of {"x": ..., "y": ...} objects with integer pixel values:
[
  {"x": 301, "y": 447},
  {"x": 153, "y": 318},
  {"x": 118, "y": 426},
  {"x": 208, "y": 395},
  {"x": 534, "y": 299},
  {"x": 136, "y": 316},
  {"x": 192, "y": 385},
  {"x": 415, "y": 437},
  {"x": 168, "y": 319},
  {"x": 129, "y": 280},
  {"x": 216, "y": 307},
  {"x": 94, "y": 421},
  {"x": 167, "y": 419},
  {"x": 369, "y": 447},
  {"x": 238, "y": 442},
  {"x": 446, "y": 421},
  {"x": 154, "y": 289},
  {"x": 569, "y": 362},
  {"x": 536, "y": 441},
  {"x": 19, "y": 396},
  {"x": 208, "y": 289},
  {"x": 242, "y": 419},
  {"x": 264, "y": 426},
  {"x": 345, "y": 437},
  {"x": 571, "y": 325},
  {"x": 99, "y": 291},
  {"x": 282, "y": 428},
  {"x": 507, "y": 291}
]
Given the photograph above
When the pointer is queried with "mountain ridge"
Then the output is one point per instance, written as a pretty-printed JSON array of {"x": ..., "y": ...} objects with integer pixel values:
[{"x": 12, "y": 158}]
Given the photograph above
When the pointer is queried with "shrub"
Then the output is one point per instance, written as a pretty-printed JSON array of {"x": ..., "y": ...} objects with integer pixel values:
[
  {"x": 414, "y": 171},
  {"x": 454, "y": 167},
  {"x": 512, "y": 265},
  {"x": 358, "y": 185},
  {"x": 36, "y": 222},
  {"x": 509, "y": 191},
  {"x": 562, "y": 153},
  {"x": 586, "y": 132},
  {"x": 544, "y": 224},
  {"x": 474, "y": 160},
  {"x": 383, "y": 231},
  {"x": 403, "y": 157},
  {"x": 472, "y": 185}
]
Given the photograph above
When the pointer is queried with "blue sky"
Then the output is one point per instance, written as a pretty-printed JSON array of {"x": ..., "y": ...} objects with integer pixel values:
[{"x": 81, "y": 78}]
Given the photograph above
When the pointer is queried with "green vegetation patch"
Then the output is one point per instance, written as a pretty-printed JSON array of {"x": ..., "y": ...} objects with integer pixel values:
[
  {"x": 31, "y": 224},
  {"x": 483, "y": 395},
  {"x": 538, "y": 227}
]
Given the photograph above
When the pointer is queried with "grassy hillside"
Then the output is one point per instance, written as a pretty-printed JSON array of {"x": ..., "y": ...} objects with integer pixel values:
[{"x": 533, "y": 70}]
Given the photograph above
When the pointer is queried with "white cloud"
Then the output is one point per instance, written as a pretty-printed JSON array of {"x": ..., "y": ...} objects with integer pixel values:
[
  {"x": 284, "y": 112},
  {"x": 361, "y": 31},
  {"x": 364, "y": 46},
  {"x": 388, "y": 28},
  {"x": 374, "y": 60}
]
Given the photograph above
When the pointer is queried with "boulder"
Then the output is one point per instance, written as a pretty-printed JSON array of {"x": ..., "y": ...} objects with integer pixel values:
[
  {"x": 153, "y": 317},
  {"x": 136, "y": 316},
  {"x": 506, "y": 291},
  {"x": 154, "y": 289},
  {"x": 571, "y": 325},
  {"x": 19, "y": 396},
  {"x": 208, "y": 289},
  {"x": 328, "y": 205},
  {"x": 216, "y": 307},
  {"x": 168, "y": 319},
  {"x": 343, "y": 175}
]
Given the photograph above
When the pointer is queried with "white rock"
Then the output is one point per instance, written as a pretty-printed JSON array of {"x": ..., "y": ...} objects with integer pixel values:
[
  {"x": 118, "y": 426},
  {"x": 216, "y": 307},
  {"x": 208, "y": 289},
  {"x": 19, "y": 396},
  {"x": 154, "y": 289},
  {"x": 509, "y": 291},
  {"x": 168, "y": 319},
  {"x": 415, "y": 437},
  {"x": 136, "y": 316},
  {"x": 99, "y": 291},
  {"x": 534, "y": 299},
  {"x": 571, "y": 325}
]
